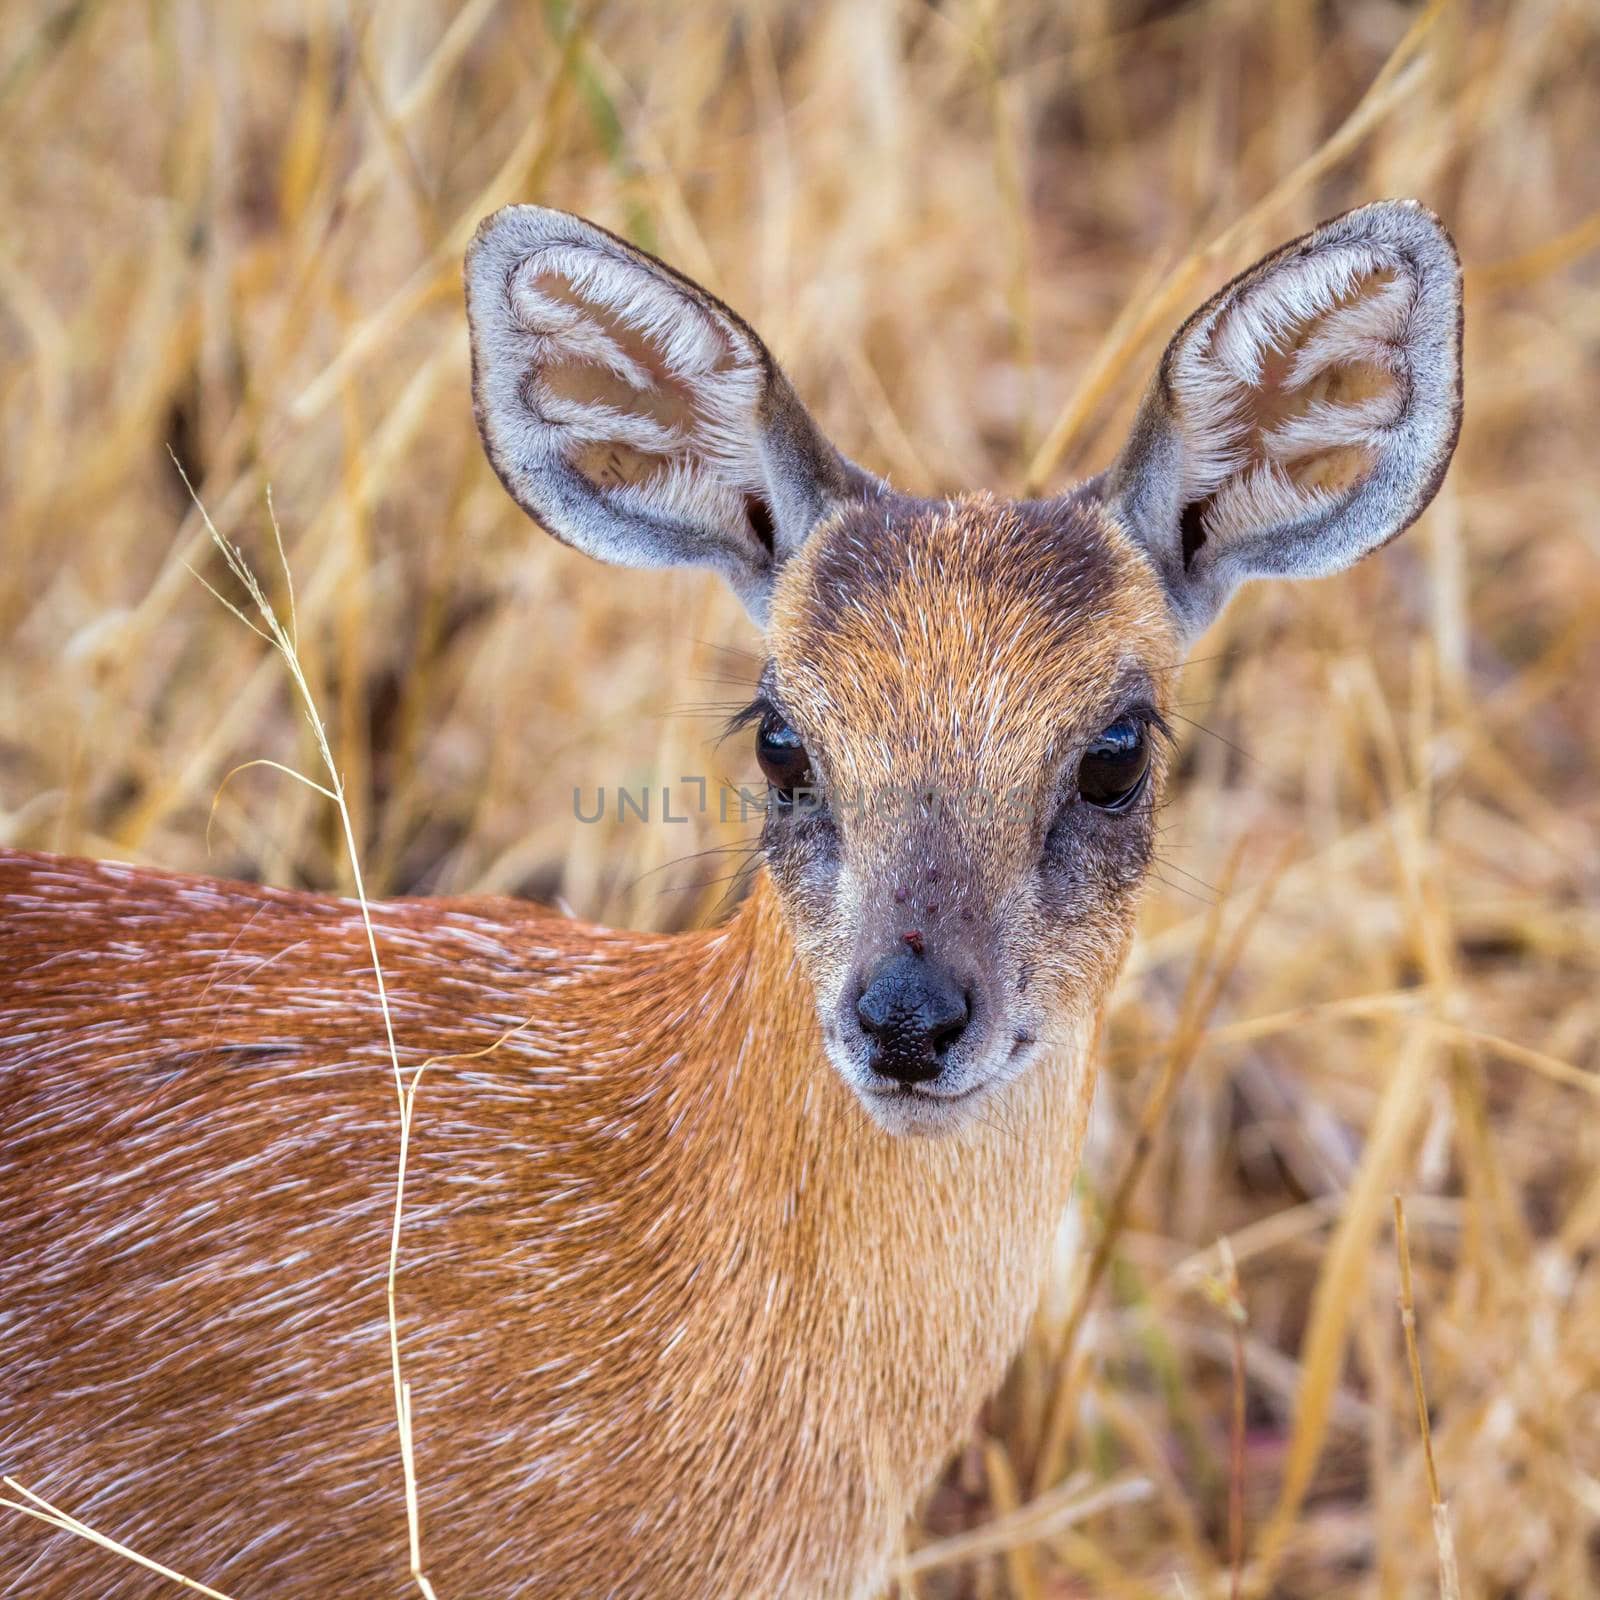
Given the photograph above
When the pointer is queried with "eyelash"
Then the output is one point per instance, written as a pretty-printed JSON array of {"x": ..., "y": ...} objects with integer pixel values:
[
  {"x": 1153, "y": 722},
  {"x": 747, "y": 718}
]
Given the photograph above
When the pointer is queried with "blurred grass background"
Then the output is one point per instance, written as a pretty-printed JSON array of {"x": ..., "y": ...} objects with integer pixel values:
[{"x": 1370, "y": 962}]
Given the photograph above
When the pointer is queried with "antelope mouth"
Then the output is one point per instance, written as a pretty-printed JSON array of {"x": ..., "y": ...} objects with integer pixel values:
[
  {"x": 928, "y": 1092},
  {"x": 923, "y": 1109}
]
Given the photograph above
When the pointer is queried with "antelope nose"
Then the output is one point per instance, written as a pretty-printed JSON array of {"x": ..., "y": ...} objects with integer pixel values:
[{"x": 912, "y": 1011}]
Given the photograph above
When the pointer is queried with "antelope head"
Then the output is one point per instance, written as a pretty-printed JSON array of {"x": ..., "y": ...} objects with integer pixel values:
[{"x": 961, "y": 716}]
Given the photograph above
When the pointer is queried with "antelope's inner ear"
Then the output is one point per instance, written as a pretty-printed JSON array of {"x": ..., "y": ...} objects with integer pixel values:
[
  {"x": 1304, "y": 416},
  {"x": 632, "y": 414}
]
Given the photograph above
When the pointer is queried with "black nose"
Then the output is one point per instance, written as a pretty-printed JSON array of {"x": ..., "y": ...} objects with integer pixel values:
[{"x": 912, "y": 1011}]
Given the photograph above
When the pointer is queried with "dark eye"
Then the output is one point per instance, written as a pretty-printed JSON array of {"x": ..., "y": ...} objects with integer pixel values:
[
  {"x": 1114, "y": 767},
  {"x": 783, "y": 757}
]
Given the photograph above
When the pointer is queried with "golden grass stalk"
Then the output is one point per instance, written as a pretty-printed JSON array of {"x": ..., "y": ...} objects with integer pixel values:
[
  {"x": 1449, "y": 1577},
  {"x": 1060, "y": 1507},
  {"x": 36, "y": 1506},
  {"x": 1322, "y": 1351},
  {"x": 284, "y": 638},
  {"x": 1225, "y": 1292}
]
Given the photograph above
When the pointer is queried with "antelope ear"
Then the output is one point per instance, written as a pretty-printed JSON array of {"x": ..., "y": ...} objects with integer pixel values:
[
  {"x": 635, "y": 416},
  {"x": 1304, "y": 416}
]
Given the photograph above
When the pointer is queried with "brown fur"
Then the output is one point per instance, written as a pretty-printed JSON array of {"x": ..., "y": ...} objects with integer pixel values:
[{"x": 679, "y": 1318}]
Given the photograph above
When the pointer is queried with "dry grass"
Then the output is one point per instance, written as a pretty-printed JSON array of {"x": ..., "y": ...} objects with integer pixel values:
[{"x": 966, "y": 229}]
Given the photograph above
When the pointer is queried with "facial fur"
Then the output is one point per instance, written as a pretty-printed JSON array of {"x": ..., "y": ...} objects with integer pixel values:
[{"x": 945, "y": 664}]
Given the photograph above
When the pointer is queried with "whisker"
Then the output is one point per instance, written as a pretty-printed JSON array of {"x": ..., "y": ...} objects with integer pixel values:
[
  {"x": 1210, "y": 888},
  {"x": 754, "y": 657},
  {"x": 1200, "y": 727},
  {"x": 1178, "y": 888},
  {"x": 1195, "y": 661}
]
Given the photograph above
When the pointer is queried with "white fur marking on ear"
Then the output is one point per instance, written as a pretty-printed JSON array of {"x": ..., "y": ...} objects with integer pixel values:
[
  {"x": 1370, "y": 330},
  {"x": 1234, "y": 453},
  {"x": 594, "y": 422},
  {"x": 698, "y": 383},
  {"x": 561, "y": 332},
  {"x": 1328, "y": 425},
  {"x": 1261, "y": 318},
  {"x": 681, "y": 492},
  {"x": 1263, "y": 496}
]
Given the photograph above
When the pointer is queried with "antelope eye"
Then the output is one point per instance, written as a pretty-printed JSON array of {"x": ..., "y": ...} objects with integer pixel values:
[
  {"x": 1112, "y": 771},
  {"x": 783, "y": 758}
]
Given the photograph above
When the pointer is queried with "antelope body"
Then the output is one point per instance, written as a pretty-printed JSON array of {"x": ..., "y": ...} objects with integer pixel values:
[{"x": 713, "y": 1242}]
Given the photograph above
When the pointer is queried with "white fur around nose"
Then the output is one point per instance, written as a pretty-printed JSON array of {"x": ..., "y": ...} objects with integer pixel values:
[
  {"x": 1328, "y": 301},
  {"x": 547, "y": 306}
]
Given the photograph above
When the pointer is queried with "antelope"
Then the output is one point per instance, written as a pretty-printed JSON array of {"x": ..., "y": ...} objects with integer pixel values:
[{"x": 714, "y": 1242}]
